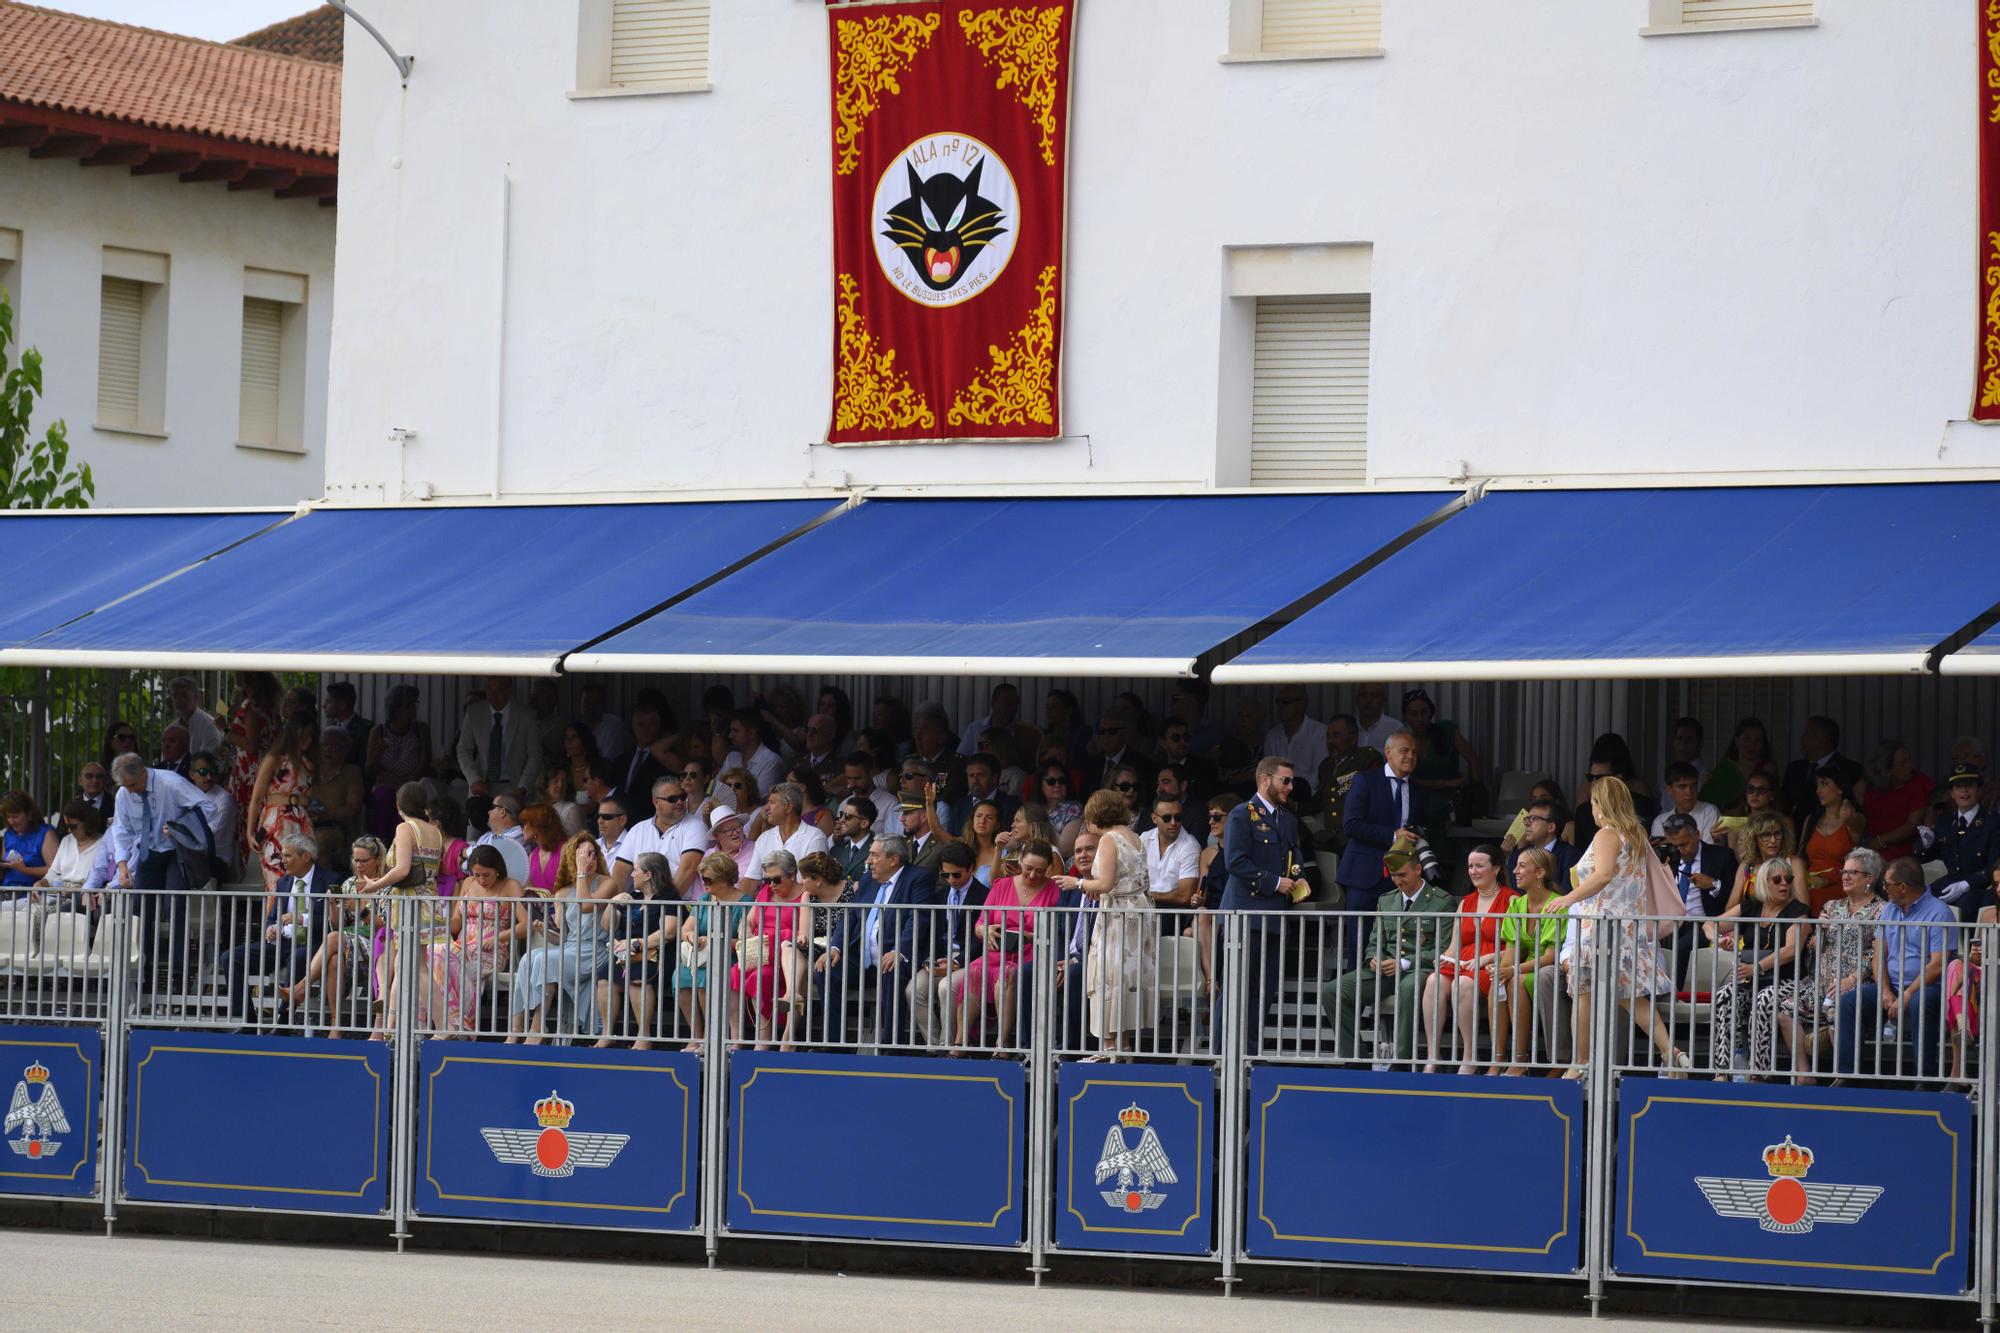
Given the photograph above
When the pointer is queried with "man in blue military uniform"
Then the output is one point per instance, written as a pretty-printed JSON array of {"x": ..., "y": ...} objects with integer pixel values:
[
  {"x": 1966, "y": 841},
  {"x": 1260, "y": 851}
]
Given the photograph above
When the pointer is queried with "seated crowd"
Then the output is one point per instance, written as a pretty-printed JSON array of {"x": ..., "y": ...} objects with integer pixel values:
[{"x": 778, "y": 873}]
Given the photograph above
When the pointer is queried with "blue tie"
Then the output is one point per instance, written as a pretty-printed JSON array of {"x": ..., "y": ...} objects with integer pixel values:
[{"x": 146, "y": 813}]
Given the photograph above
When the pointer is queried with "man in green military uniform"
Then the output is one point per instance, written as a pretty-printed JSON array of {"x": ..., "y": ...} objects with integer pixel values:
[
  {"x": 1398, "y": 954},
  {"x": 1345, "y": 756}
]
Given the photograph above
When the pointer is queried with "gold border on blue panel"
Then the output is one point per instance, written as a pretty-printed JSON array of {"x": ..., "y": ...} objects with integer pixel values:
[
  {"x": 430, "y": 1129},
  {"x": 742, "y": 1136},
  {"x": 88, "y": 1118},
  {"x": 1264, "y": 1154},
  {"x": 139, "y": 1106},
  {"x": 1632, "y": 1184},
  {"x": 1069, "y": 1169}
]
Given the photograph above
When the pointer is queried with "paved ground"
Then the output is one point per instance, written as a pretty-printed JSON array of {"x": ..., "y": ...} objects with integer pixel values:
[{"x": 73, "y": 1281}]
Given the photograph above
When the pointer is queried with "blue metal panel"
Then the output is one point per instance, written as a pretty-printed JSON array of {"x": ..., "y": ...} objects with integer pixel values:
[
  {"x": 1883, "y": 1202},
  {"x": 73, "y": 563},
  {"x": 1611, "y": 575},
  {"x": 258, "y": 1122},
  {"x": 1433, "y": 1169},
  {"x": 495, "y": 581},
  {"x": 571, "y": 1135},
  {"x": 58, "y": 1076},
  {"x": 1114, "y": 1196},
  {"x": 1117, "y": 577},
  {"x": 881, "y": 1148}
]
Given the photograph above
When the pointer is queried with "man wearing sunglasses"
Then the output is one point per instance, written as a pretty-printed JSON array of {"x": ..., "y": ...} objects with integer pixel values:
[
  {"x": 1260, "y": 845},
  {"x": 1114, "y": 743},
  {"x": 675, "y": 831},
  {"x": 206, "y": 772}
]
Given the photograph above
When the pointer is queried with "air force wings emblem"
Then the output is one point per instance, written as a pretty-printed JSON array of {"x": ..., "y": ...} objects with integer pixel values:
[
  {"x": 1787, "y": 1203},
  {"x": 552, "y": 1150},
  {"x": 37, "y": 1119},
  {"x": 1137, "y": 1168}
]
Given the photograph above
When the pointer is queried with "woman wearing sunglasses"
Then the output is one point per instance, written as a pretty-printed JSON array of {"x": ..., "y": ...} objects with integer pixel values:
[{"x": 1769, "y": 939}]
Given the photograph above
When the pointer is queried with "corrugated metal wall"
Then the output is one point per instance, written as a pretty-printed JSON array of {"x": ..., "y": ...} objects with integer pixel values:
[{"x": 1536, "y": 726}]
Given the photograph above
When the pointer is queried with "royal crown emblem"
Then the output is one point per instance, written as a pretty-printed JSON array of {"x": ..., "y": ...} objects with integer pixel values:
[
  {"x": 38, "y": 1118},
  {"x": 1138, "y": 1168},
  {"x": 553, "y": 1150},
  {"x": 1787, "y": 1203}
]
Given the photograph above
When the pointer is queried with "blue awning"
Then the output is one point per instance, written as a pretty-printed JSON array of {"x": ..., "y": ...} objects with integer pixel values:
[
  {"x": 65, "y": 565},
  {"x": 499, "y": 589},
  {"x": 1731, "y": 581},
  {"x": 1138, "y": 586}
]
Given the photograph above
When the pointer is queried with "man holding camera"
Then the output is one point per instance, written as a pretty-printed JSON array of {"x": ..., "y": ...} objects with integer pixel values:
[{"x": 1703, "y": 872}]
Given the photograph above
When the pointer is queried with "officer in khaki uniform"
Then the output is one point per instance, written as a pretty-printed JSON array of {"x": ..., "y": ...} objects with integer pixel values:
[{"x": 1399, "y": 954}]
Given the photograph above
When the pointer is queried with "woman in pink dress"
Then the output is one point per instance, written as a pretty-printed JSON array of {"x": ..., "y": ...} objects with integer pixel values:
[
  {"x": 486, "y": 918},
  {"x": 279, "y": 795},
  {"x": 1006, "y": 930},
  {"x": 769, "y": 931}
]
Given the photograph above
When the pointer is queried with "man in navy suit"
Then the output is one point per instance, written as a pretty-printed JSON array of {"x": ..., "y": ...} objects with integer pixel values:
[
  {"x": 1704, "y": 872},
  {"x": 1260, "y": 847},
  {"x": 882, "y": 943},
  {"x": 293, "y": 927},
  {"x": 1381, "y": 803}
]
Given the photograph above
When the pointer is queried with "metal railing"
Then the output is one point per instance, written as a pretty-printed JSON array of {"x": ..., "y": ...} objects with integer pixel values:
[{"x": 1499, "y": 996}]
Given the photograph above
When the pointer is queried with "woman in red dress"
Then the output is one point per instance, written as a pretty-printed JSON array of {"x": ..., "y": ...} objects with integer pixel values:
[{"x": 1461, "y": 977}]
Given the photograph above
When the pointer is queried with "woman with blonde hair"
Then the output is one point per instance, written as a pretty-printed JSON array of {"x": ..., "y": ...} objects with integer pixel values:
[
  {"x": 1611, "y": 882},
  {"x": 1766, "y": 951},
  {"x": 575, "y": 948},
  {"x": 1764, "y": 837},
  {"x": 1125, "y": 940}
]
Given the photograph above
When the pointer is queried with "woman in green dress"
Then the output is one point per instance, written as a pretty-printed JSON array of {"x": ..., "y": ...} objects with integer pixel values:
[{"x": 1529, "y": 941}]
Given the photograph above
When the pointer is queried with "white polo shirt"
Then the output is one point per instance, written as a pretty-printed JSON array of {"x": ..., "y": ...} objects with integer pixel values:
[{"x": 690, "y": 835}]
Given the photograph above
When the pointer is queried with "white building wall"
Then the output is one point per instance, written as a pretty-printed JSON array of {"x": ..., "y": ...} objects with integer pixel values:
[
  {"x": 1593, "y": 252},
  {"x": 66, "y": 215}
]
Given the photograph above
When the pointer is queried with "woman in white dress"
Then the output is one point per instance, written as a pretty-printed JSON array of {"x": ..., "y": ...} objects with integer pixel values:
[
  {"x": 1611, "y": 882},
  {"x": 1125, "y": 936}
]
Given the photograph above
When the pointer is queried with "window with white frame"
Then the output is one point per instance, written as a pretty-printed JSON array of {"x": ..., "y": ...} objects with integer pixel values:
[
  {"x": 271, "y": 400},
  {"x": 132, "y": 342},
  {"x": 10, "y": 267},
  {"x": 641, "y": 46},
  {"x": 1664, "y": 17},
  {"x": 1304, "y": 29},
  {"x": 1295, "y": 366}
]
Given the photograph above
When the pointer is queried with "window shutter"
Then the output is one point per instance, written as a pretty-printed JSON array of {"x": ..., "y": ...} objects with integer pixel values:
[
  {"x": 658, "y": 41},
  {"x": 1309, "y": 395},
  {"x": 121, "y": 306},
  {"x": 1322, "y": 25},
  {"x": 1704, "y": 13},
  {"x": 263, "y": 334}
]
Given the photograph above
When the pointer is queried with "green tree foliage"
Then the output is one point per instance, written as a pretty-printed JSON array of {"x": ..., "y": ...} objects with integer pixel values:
[{"x": 34, "y": 473}]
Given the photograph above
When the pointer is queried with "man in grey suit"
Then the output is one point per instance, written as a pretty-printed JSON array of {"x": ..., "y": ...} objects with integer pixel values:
[{"x": 499, "y": 749}]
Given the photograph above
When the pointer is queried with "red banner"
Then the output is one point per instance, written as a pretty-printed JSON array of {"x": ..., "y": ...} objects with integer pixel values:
[
  {"x": 1986, "y": 384},
  {"x": 950, "y": 155}
]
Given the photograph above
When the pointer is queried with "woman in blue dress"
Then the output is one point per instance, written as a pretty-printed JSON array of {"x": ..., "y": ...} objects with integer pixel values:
[
  {"x": 27, "y": 843},
  {"x": 571, "y": 953}
]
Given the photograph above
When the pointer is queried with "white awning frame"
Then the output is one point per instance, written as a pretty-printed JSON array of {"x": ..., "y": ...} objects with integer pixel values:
[
  {"x": 1580, "y": 668},
  {"x": 411, "y": 664},
  {"x": 730, "y": 664}
]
